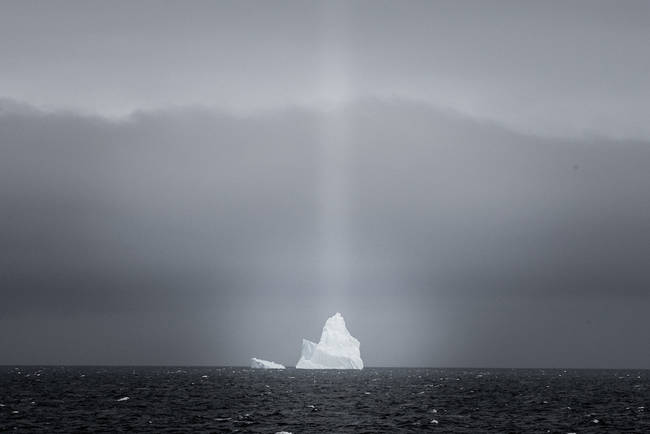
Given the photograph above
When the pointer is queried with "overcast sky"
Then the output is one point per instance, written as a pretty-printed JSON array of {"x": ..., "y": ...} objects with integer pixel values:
[{"x": 468, "y": 183}]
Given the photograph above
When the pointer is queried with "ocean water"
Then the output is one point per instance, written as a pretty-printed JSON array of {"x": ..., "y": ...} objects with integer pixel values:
[{"x": 223, "y": 399}]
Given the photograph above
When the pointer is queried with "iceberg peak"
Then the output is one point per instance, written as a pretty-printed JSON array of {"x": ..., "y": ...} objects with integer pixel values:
[{"x": 337, "y": 348}]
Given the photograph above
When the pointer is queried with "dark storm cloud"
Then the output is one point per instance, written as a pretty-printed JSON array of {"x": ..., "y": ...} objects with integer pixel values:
[
  {"x": 193, "y": 236},
  {"x": 172, "y": 191}
]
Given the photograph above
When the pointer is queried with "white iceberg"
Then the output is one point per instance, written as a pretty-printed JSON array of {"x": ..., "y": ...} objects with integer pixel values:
[
  {"x": 264, "y": 364},
  {"x": 337, "y": 348}
]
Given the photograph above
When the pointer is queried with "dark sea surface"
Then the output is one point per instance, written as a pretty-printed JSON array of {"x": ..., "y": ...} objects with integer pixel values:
[{"x": 201, "y": 399}]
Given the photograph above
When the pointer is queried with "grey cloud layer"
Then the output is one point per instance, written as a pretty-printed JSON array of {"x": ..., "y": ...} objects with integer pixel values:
[
  {"x": 551, "y": 68},
  {"x": 201, "y": 230}
]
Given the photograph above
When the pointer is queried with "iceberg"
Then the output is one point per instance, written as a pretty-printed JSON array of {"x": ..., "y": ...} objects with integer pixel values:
[
  {"x": 264, "y": 364},
  {"x": 337, "y": 348}
]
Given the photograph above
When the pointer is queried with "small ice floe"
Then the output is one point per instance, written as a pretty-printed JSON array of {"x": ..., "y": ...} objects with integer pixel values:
[
  {"x": 2, "y": 405},
  {"x": 283, "y": 432},
  {"x": 264, "y": 364},
  {"x": 14, "y": 412},
  {"x": 595, "y": 421},
  {"x": 434, "y": 421},
  {"x": 125, "y": 398},
  {"x": 366, "y": 393},
  {"x": 204, "y": 376},
  {"x": 433, "y": 410},
  {"x": 222, "y": 419}
]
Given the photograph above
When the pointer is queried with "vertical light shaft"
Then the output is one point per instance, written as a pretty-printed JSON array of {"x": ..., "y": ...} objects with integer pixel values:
[
  {"x": 334, "y": 202},
  {"x": 334, "y": 189}
]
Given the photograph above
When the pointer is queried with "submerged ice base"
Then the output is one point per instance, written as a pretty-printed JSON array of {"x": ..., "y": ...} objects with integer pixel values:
[
  {"x": 337, "y": 348},
  {"x": 264, "y": 364}
]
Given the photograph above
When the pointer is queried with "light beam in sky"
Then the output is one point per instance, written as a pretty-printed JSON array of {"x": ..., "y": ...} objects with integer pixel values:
[{"x": 335, "y": 90}]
